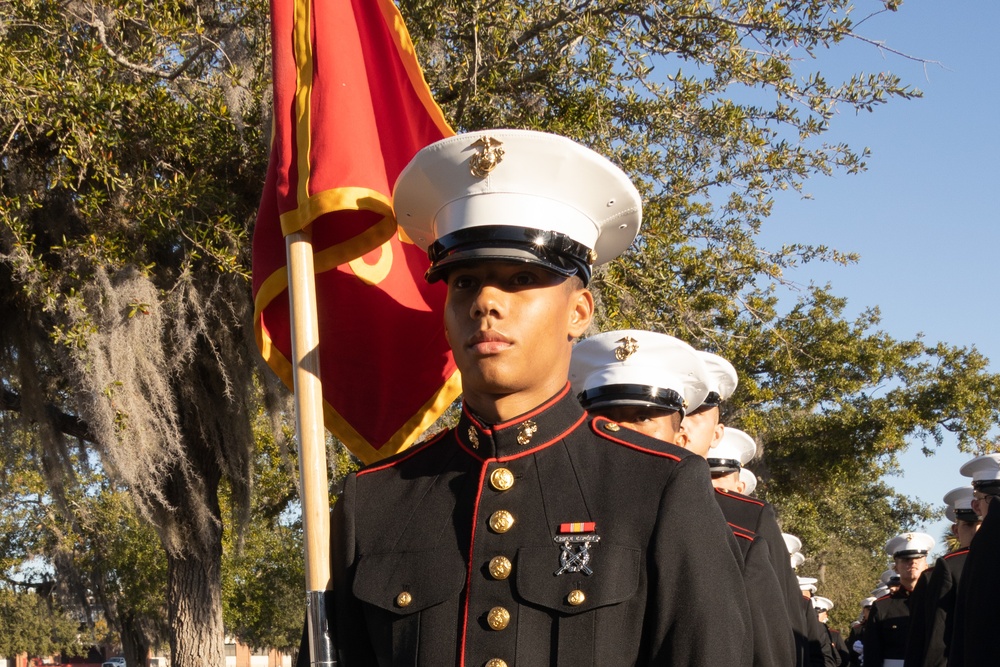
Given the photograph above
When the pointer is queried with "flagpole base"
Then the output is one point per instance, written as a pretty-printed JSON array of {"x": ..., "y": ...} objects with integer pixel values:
[{"x": 320, "y": 640}]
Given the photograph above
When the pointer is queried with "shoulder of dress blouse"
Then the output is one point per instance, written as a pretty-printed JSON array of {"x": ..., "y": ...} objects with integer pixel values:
[
  {"x": 632, "y": 439},
  {"x": 406, "y": 455},
  {"x": 960, "y": 552},
  {"x": 742, "y": 532},
  {"x": 741, "y": 498}
]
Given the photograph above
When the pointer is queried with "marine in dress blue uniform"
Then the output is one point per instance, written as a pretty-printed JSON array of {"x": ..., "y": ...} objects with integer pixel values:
[
  {"x": 647, "y": 381},
  {"x": 835, "y": 652},
  {"x": 889, "y": 621},
  {"x": 817, "y": 639},
  {"x": 977, "y": 617},
  {"x": 531, "y": 534},
  {"x": 934, "y": 642},
  {"x": 706, "y": 419},
  {"x": 854, "y": 643}
]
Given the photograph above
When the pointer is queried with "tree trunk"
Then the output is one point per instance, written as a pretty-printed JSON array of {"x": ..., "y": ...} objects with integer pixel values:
[
  {"x": 135, "y": 646},
  {"x": 194, "y": 591}
]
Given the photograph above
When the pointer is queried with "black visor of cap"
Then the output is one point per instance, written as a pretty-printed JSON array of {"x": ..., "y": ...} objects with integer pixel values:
[
  {"x": 967, "y": 515},
  {"x": 713, "y": 400},
  {"x": 553, "y": 250},
  {"x": 724, "y": 465},
  {"x": 637, "y": 395},
  {"x": 988, "y": 486},
  {"x": 909, "y": 553}
]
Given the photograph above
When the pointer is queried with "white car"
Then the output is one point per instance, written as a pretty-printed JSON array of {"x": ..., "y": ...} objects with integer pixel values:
[{"x": 114, "y": 662}]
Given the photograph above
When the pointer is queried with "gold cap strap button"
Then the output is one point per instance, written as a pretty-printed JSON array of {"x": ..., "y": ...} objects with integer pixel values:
[
  {"x": 501, "y": 521},
  {"x": 501, "y": 479},
  {"x": 498, "y": 618},
  {"x": 496, "y": 662},
  {"x": 576, "y": 598},
  {"x": 404, "y": 599},
  {"x": 500, "y": 567}
]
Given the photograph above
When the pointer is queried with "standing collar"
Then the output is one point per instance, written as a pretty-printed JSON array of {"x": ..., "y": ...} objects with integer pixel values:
[{"x": 526, "y": 433}]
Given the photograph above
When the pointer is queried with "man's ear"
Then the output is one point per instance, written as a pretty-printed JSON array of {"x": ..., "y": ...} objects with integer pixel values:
[
  {"x": 581, "y": 312},
  {"x": 681, "y": 439},
  {"x": 717, "y": 433}
]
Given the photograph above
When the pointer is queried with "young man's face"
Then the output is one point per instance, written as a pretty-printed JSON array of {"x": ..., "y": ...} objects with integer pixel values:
[
  {"x": 511, "y": 327},
  {"x": 965, "y": 531},
  {"x": 659, "y": 424},
  {"x": 981, "y": 503},
  {"x": 702, "y": 430},
  {"x": 909, "y": 570}
]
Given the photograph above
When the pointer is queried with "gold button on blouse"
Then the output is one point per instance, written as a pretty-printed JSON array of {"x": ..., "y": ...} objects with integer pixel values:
[
  {"x": 498, "y": 618},
  {"x": 501, "y": 479},
  {"x": 612, "y": 426},
  {"x": 500, "y": 567},
  {"x": 576, "y": 598},
  {"x": 501, "y": 521},
  {"x": 404, "y": 599},
  {"x": 496, "y": 662}
]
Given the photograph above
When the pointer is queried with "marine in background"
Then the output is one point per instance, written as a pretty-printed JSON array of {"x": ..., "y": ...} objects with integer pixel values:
[
  {"x": 888, "y": 624},
  {"x": 932, "y": 646},
  {"x": 647, "y": 381},
  {"x": 835, "y": 652},
  {"x": 977, "y": 615}
]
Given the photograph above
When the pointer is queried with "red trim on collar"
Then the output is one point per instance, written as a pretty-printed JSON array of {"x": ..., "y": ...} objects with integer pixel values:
[
  {"x": 409, "y": 452},
  {"x": 472, "y": 418},
  {"x": 625, "y": 443},
  {"x": 575, "y": 425},
  {"x": 960, "y": 552},
  {"x": 520, "y": 418},
  {"x": 541, "y": 408},
  {"x": 512, "y": 457},
  {"x": 740, "y": 496}
]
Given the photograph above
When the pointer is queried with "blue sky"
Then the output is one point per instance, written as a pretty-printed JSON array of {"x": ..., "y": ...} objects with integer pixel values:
[{"x": 923, "y": 216}]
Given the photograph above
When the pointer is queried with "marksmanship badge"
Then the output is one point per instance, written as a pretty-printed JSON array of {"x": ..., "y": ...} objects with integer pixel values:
[{"x": 576, "y": 539}]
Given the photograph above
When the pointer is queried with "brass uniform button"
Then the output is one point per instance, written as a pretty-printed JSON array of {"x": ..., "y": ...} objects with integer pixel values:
[
  {"x": 496, "y": 662},
  {"x": 501, "y": 521},
  {"x": 501, "y": 479},
  {"x": 404, "y": 599},
  {"x": 576, "y": 598},
  {"x": 613, "y": 427},
  {"x": 498, "y": 618},
  {"x": 500, "y": 567}
]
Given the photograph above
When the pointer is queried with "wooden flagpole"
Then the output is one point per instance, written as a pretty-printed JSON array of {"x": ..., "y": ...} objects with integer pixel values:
[{"x": 314, "y": 492}]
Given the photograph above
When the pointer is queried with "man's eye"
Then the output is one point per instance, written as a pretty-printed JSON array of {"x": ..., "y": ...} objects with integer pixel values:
[
  {"x": 523, "y": 278},
  {"x": 462, "y": 282}
]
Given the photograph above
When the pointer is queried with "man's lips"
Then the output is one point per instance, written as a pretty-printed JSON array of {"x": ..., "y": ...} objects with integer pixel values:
[{"x": 488, "y": 342}]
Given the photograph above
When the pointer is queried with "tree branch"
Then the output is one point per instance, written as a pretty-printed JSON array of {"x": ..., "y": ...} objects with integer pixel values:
[
  {"x": 102, "y": 36},
  {"x": 68, "y": 424}
]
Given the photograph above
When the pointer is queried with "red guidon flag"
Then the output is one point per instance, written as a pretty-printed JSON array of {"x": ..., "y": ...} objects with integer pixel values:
[{"x": 351, "y": 108}]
